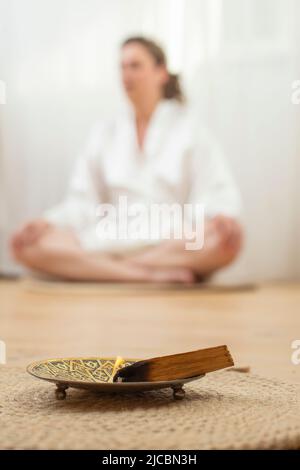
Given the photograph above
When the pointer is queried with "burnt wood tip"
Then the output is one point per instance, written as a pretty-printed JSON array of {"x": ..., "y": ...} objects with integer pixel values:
[{"x": 176, "y": 366}]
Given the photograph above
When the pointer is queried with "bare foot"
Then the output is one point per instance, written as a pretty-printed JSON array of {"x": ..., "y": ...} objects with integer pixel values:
[
  {"x": 222, "y": 242},
  {"x": 165, "y": 275}
]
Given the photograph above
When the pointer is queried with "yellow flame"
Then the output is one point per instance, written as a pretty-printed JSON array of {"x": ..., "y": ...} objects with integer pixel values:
[{"x": 117, "y": 365}]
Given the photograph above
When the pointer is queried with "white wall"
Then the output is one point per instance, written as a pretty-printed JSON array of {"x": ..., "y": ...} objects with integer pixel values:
[
  {"x": 251, "y": 113},
  {"x": 238, "y": 60},
  {"x": 296, "y": 109}
]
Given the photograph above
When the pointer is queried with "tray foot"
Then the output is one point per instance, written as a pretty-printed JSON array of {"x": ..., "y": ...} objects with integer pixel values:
[
  {"x": 60, "y": 391},
  {"x": 178, "y": 392}
]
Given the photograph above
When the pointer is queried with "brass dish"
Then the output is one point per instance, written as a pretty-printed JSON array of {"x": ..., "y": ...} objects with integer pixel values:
[{"x": 96, "y": 373}]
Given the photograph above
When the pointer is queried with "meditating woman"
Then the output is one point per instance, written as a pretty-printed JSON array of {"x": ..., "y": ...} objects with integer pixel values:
[{"x": 152, "y": 153}]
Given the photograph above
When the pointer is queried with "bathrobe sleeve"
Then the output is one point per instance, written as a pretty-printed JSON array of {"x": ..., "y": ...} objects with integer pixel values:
[
  {"x": 86, "y": 187},
  {"x": 212, "y": 183}
]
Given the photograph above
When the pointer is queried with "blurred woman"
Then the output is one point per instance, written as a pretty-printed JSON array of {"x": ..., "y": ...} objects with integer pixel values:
[{"x": 153, "y": 152}]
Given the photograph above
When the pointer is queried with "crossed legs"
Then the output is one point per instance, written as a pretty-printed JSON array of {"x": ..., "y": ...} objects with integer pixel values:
[{"x": 45, "y": 248}]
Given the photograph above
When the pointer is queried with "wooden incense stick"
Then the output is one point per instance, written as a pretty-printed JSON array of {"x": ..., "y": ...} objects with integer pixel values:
[{"x": 176, "y": 366}]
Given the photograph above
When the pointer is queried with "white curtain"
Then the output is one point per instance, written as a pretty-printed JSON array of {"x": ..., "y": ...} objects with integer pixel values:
[{"x": 238, "y": 59}]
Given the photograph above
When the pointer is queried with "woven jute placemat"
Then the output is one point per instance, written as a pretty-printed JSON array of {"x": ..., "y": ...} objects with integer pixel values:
[{"x": 224, "y": 410}]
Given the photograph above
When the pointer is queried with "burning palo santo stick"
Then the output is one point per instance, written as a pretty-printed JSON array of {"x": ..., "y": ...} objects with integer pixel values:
[
  {"x": 117, "y": 365},
  {"x": 176, "y": 366}
]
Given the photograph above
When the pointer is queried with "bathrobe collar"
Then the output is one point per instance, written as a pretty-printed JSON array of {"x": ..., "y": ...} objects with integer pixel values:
[{"x": 159, "y": 123}]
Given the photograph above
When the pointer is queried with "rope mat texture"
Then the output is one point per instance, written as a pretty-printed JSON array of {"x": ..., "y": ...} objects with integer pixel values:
[{"x": 224, "y": 410}]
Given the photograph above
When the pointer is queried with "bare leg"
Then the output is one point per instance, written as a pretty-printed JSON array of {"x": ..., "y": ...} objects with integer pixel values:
[
  {"x": 222, "y": 243},
  {"x": 58, "y": 252}
]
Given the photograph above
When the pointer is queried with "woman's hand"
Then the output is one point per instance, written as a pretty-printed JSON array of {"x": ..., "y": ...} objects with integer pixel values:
[
  {"x": 28, "y": 234},
  {"x": 228, "y": 232}
]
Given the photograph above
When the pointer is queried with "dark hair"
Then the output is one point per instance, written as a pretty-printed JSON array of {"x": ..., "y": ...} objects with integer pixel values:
[{"x": 172, "y": 89}]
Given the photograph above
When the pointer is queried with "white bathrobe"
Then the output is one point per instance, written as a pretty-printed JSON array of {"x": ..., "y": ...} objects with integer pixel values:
[{"x": 180, "y": 163}]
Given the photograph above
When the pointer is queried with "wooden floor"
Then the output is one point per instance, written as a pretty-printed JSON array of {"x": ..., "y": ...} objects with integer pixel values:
[{"x": 258, "y": 325}]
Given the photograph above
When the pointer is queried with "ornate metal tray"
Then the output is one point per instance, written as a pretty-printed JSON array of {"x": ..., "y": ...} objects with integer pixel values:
[{"x": 96, "y": 373}]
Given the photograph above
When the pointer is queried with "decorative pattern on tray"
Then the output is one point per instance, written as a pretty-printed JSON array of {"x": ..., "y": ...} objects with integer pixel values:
[{"x": 85, "y": 370}]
